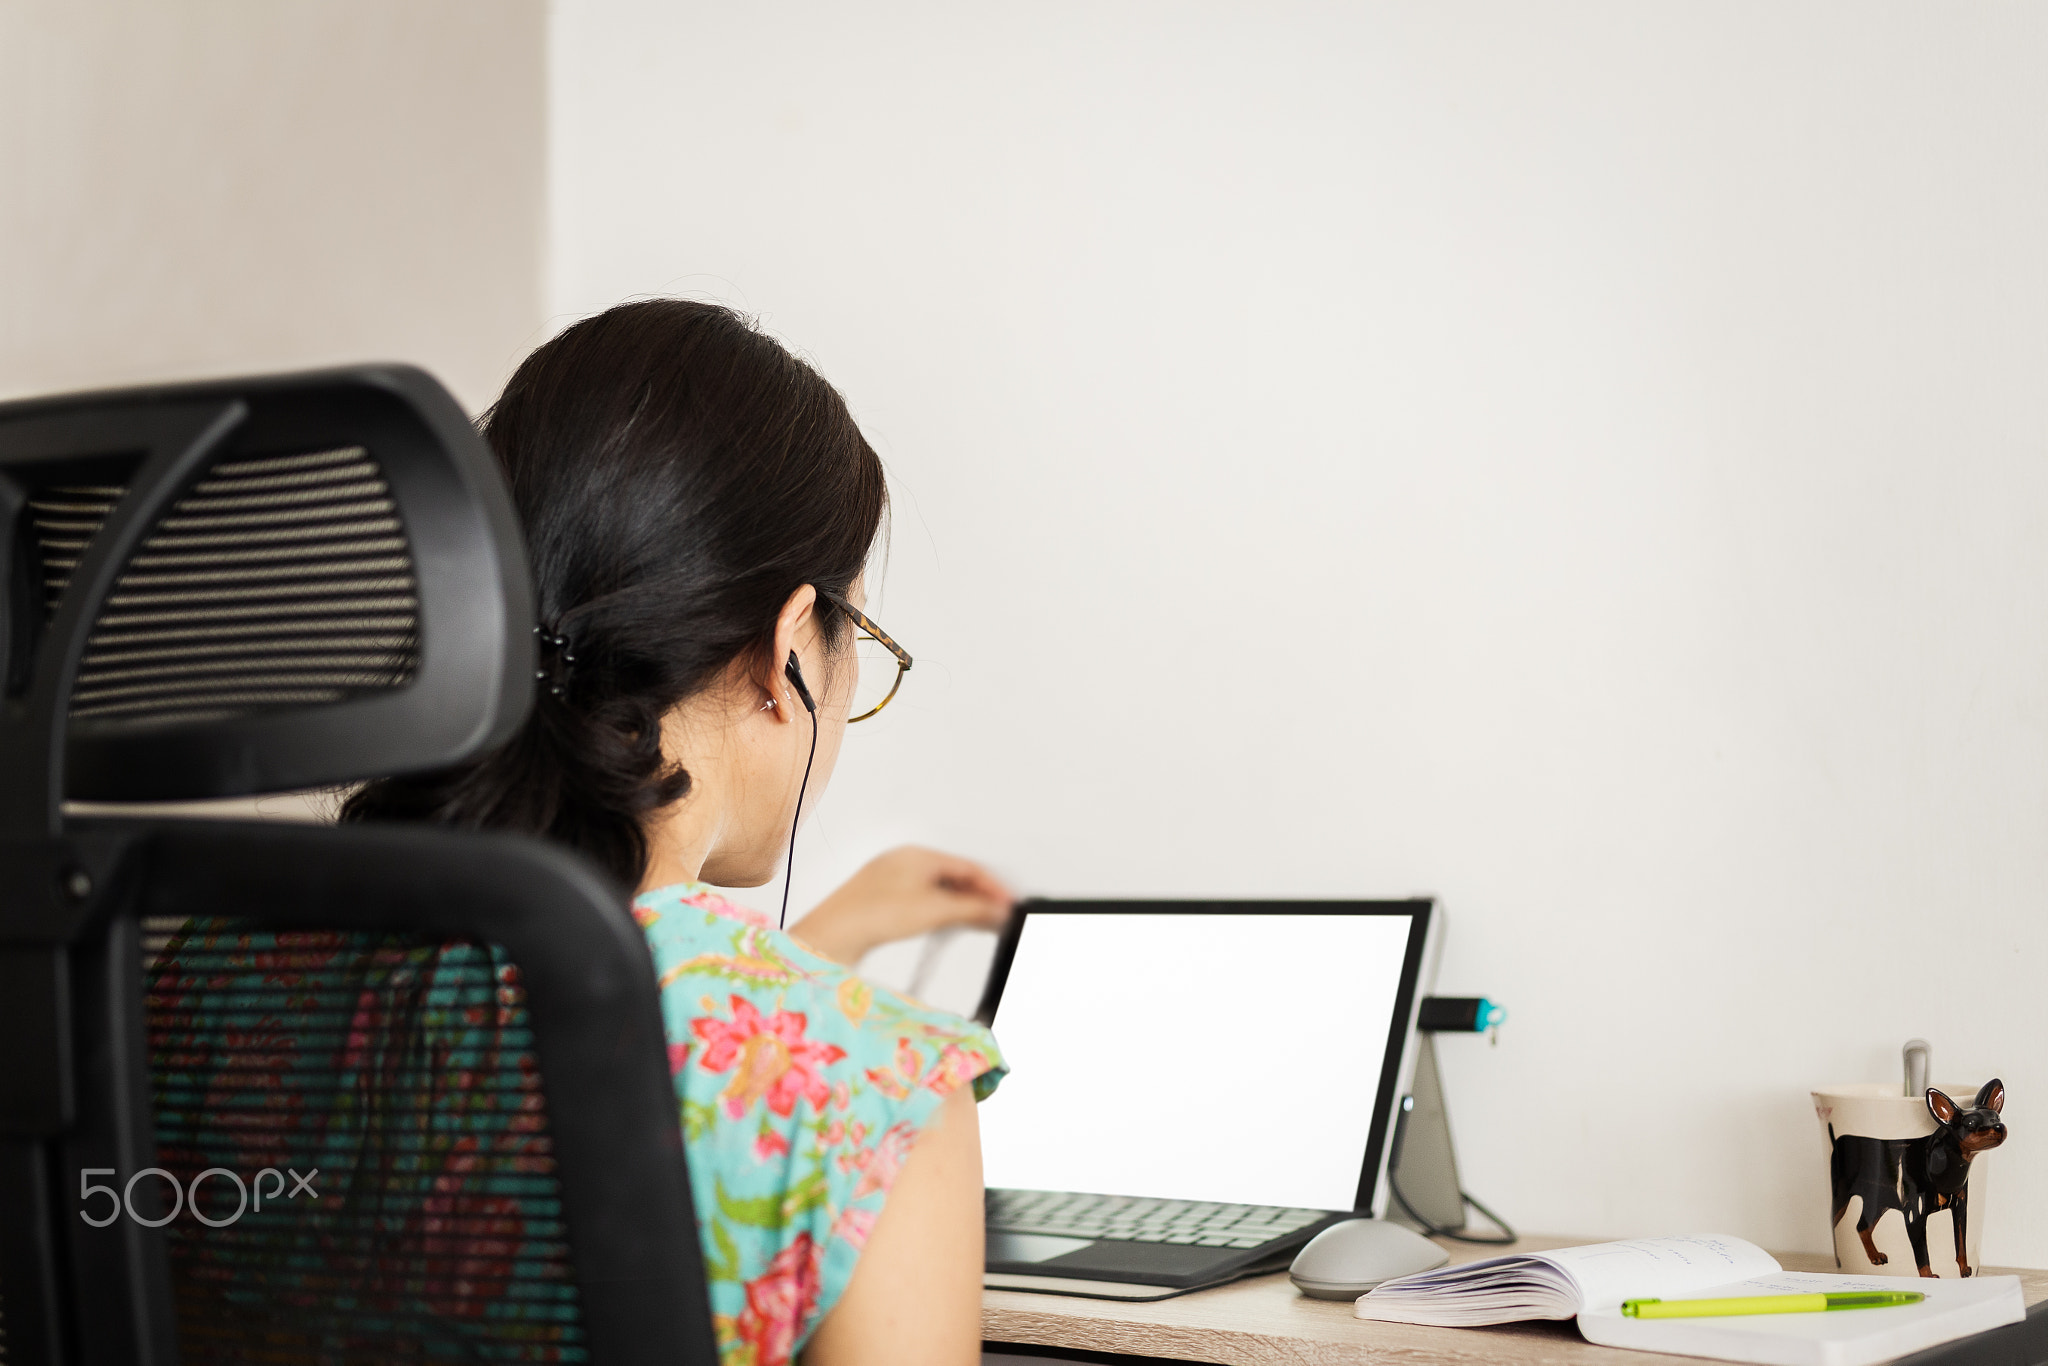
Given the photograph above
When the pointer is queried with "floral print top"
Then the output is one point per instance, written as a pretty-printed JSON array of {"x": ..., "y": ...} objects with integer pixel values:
[{"x": 802, "y": 1090}]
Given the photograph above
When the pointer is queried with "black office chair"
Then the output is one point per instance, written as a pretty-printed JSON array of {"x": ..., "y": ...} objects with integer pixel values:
[{"x": 292, "y": 1093}]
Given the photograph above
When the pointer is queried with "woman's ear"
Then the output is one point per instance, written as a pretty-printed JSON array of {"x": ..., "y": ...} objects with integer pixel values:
[{"x": 794, "y": 624}]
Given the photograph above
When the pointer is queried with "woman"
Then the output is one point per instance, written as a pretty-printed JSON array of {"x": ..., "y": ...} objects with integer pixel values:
[{"x": 699, "y": 506}]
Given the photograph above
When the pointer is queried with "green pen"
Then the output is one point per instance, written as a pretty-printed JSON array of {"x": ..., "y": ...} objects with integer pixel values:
[{"x": 1768, "y": 1304}]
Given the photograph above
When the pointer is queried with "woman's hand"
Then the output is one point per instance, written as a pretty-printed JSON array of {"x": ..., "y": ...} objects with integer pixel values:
[{"x": 901, "y": 894}]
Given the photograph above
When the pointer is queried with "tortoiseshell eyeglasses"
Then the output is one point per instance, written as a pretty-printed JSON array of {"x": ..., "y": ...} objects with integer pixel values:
[{"x": 882, "y": 661}]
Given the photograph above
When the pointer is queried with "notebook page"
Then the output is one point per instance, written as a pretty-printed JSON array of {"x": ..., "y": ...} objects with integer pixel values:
[
  {"x": 1855, "y": 1337},
  {"x": 1658, "y": 1268}
]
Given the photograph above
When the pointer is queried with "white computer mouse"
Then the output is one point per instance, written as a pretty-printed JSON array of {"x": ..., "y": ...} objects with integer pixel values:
[{"x": 1346, "y": 1260}]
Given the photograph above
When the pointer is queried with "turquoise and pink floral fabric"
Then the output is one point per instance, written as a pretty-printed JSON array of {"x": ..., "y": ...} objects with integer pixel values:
[{"x": 802, "y": 1090}]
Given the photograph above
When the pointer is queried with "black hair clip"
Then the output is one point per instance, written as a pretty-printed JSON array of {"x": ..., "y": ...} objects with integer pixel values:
[{"x": 561, "y": 656}]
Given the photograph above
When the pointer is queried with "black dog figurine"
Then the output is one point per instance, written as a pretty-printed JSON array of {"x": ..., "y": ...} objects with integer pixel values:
[{"x": 1917, "y": 1176}]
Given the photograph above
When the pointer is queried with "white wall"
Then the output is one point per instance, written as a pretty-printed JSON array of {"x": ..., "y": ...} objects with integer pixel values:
[
  {"x": 217, "y": 186},
  {"x": 1586, "y": 460}
]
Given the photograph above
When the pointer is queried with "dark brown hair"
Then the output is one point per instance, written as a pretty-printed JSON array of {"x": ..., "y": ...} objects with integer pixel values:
[{"x": 679, "y": 474}]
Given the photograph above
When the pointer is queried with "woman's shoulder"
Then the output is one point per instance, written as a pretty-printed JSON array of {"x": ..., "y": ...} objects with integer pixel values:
[{"x": 738, "y": 975}]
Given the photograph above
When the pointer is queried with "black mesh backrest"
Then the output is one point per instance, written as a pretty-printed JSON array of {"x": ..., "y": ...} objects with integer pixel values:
[
  {"x": 279, "y": 581},
  {"x": 253, "y": 586},
  {"x": 384, "y": 1093}
]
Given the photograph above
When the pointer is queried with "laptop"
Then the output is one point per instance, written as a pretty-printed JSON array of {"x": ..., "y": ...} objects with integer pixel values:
[{"x": 1197, "y": 1088}]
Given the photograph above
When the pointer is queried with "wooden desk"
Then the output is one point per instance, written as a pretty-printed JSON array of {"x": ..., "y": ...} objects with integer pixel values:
[{"x": 1266, "y": 1322}]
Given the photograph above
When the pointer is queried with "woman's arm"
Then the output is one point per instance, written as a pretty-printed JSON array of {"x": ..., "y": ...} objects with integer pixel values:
[
  {"x": 915, "y": 1296},
  {"x": 902, "y": 893}
]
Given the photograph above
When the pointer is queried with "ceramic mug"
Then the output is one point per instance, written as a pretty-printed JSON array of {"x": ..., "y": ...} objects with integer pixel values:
[{"x": 1906, "y": 1191}]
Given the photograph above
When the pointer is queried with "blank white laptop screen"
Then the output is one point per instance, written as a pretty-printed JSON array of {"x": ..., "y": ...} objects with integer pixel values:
[{"x": 1225, "y": 1057}]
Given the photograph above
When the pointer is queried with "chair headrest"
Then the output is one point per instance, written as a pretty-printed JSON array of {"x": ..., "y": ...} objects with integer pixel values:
[{"x": 246, "y": 586}]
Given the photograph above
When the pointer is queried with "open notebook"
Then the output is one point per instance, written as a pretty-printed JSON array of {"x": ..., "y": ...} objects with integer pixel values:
[{"x": 1590, "y": 1283}]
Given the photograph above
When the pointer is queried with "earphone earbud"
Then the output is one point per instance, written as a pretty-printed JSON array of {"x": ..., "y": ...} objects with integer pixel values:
[{"x": 794, "y": 672}]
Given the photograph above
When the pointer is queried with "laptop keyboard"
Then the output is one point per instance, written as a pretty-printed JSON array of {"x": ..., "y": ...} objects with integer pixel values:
[{"x": 1132, "y": 1220}]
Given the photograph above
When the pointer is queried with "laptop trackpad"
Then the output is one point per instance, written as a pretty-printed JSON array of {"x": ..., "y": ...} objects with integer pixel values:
[{"x": 1030, "y": 1247}]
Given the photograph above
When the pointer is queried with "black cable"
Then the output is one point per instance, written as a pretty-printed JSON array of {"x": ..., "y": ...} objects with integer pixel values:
[
  {"x": 1507, "y": 1235},
  {"x": 789, "y": 870}
]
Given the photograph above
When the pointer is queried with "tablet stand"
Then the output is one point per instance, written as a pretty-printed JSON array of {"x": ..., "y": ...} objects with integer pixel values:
[{"x": 1424, "y": 1167}]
